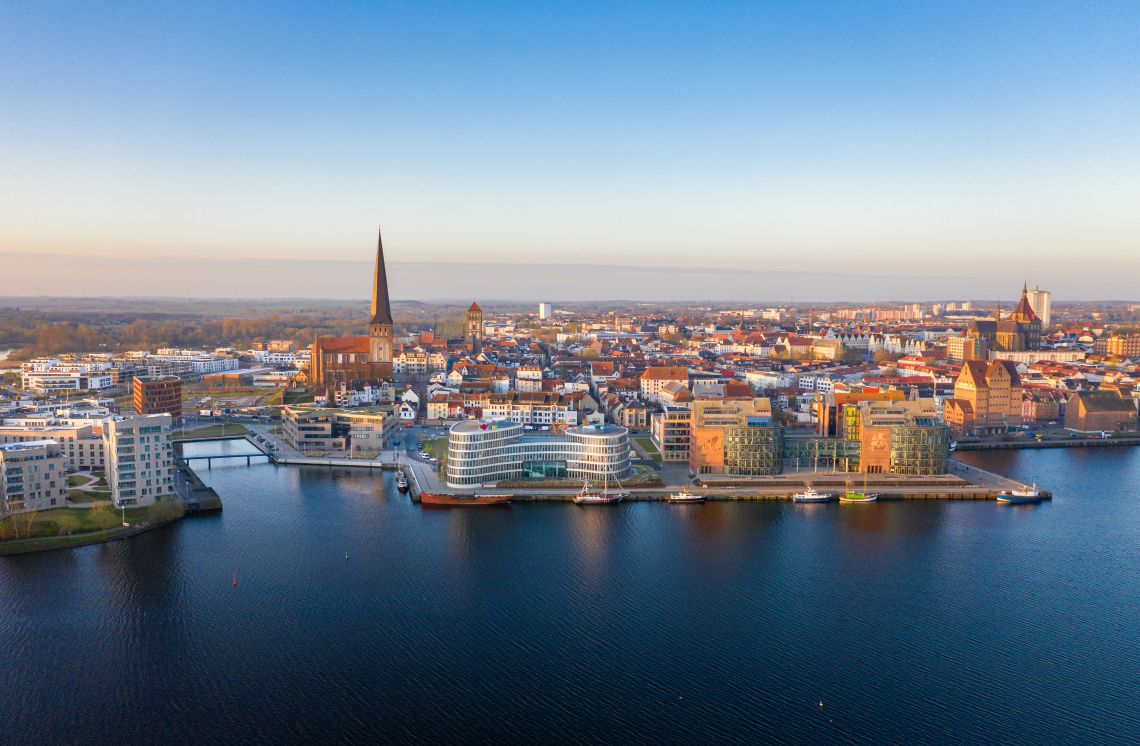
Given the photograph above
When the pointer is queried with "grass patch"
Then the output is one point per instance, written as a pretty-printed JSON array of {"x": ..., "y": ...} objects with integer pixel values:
[
  {"x": 211, "y": 431},
  {"x": 75, "y": 480},
  {"x": 61, "y": 522},
  {"x": 647, "y": 445},
  {"x": 436, "y": 447},
  {"x": 297, "y": 397}
]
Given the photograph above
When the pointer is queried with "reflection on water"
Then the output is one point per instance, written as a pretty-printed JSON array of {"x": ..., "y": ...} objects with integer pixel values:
[{"x": 549, "y": 622}]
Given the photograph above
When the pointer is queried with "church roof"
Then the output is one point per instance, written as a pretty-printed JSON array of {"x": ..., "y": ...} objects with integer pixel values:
[
  {"x": 1024, "y": 312},
  {"x": 381, "y": 307},
  {"x": 474, "y": 308},
  {"x": 342, "y": 344}
]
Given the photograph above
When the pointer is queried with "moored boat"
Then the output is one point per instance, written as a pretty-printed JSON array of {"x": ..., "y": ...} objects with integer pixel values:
[
  {"x": 1025, "y": 495},
  {"x": 811, "y": 496},
  {"x": 858, "y": 497},
  {"x": 684, "y": 496},
  {"x": 429, "y": 498},
  {"x": 401, "y": 481},
  {"x": 592, "y": 497}
]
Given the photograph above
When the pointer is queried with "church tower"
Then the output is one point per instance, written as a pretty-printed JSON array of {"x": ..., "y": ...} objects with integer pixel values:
[
  {"x": 380, "y": 322},
  {"x": 474, "y": 329}
]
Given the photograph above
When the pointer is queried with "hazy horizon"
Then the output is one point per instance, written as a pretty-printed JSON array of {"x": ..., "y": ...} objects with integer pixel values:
[
  {"x": 874, "y": 139},
  {"x": 80, "y": 276}
]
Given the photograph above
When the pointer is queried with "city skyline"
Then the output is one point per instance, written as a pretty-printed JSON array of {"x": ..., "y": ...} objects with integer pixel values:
[{"x": 882, "y": 139}]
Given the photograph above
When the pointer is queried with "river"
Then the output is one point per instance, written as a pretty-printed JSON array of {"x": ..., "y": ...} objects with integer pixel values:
[{"x": 933, "y": 622}]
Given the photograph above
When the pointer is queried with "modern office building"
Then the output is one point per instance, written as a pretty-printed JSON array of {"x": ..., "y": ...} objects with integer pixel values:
[
  {"x": 33, "y": 476},
  {"x": 718, "y": 436},
  {"x": 669, "y": 430},
  {"x": 157, "y": 395},
  {"x": 353, "y": 432},
  {"x": 139, "y": 459},
  {"x": 488, "y": 452}
]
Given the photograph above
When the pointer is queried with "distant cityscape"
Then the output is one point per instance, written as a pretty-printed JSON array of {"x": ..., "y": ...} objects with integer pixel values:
[{"x": 655, "y": 397}]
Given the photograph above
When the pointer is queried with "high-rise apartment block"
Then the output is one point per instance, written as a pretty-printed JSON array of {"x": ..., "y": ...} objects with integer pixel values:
[
  {"x": 545, "y": 310},
  {"x": 139, "y": 459}
]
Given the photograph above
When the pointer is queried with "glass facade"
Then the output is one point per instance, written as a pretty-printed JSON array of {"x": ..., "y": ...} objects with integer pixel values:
[
  {"x": 753, "y": 451},
  {"x": 920, "y": 449}
]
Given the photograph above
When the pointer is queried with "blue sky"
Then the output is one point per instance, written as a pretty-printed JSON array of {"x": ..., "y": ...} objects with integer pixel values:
[{"x": 878, "y": 138}]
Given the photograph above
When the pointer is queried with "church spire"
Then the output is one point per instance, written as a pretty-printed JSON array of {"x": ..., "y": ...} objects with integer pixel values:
[{"x": 381, "y": 308}]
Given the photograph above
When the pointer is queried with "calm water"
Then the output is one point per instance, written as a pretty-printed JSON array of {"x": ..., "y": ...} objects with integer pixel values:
[{"x": 912, "y": 622}]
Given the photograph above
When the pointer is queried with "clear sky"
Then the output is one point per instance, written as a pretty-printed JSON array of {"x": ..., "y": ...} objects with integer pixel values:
[{"x": 899, "y": 139}]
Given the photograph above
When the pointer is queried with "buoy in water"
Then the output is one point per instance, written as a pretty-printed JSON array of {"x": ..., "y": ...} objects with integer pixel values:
[{"x": 235, "y": 580}]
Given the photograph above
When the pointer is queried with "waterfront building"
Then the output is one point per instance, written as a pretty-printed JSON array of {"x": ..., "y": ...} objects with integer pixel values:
[
  {"x": 491, "y": 451},
  {"x": 714, "y": 420},
  {"x": 669, "y": 431},
  {"x": 987, "y": 398},
  {"x": 336, "y": 359},
  {"x": 161, "y": 395},
  {"x": 139, "y": 459},
  {"x": 33, "y": 476},
  {"x": 903, "y": 437},
  {"x": 80, "y": 444},
  {"x": 1100, "y": 410},
  {"x": 348, "y": 432}
]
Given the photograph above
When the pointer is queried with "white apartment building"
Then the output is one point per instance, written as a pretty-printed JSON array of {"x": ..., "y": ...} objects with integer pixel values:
[
  {"x": 139, "y": 459},
  {"x": 33, "y": 476},
  {"x": 51, "y": 376},
  {"x": 545, "y": 310}
]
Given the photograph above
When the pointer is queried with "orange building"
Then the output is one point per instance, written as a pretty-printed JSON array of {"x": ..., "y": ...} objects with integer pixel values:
[
  {"x": 987, "y": 398},
  {"x": 157, "y": 395},
  {"x": 711, "y": 420}
]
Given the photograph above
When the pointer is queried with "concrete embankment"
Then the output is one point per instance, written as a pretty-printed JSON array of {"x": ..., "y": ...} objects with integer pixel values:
[{"x": 1008, "y": 445}]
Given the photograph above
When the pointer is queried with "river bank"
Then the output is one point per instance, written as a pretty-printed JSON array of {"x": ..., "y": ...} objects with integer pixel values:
[{"x": 47, "y": 530}]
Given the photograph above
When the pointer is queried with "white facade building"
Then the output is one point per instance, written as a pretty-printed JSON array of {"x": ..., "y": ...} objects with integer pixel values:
[
  {"x": 139, "y": 459},
  {"x": 1041, "y": 301}
]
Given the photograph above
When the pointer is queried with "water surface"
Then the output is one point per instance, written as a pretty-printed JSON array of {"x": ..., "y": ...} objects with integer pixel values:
[{"x": 911, "y": 622}]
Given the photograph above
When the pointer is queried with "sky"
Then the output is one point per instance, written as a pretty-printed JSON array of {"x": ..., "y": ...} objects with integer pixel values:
[{"x": 904, "y": 150}]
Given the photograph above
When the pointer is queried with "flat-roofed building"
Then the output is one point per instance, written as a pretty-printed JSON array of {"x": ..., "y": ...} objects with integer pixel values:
[
  {"x": 81, "y": 445},
  {"x": 157, "y": 395},
  {"x": 670, "y": 433},
  {"x": 352, "y": 432},
  {"x": 33, "y": 476},
  {"x": 139, "y": 459},
  {"x": 717, "y": 422}
]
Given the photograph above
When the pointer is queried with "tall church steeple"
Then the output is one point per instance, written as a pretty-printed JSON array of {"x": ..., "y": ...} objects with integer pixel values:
[{"x": 380, "y": 322}]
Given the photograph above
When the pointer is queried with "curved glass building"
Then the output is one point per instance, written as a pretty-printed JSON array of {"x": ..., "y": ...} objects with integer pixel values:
[{"x": 483, "y": 453}]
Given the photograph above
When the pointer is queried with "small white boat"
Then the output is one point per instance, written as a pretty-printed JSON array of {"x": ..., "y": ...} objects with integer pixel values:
[
  {"x": 1025, "y": 495},
  {"x": 684, "y": 496},
  {"x": 811, "y": 496}
]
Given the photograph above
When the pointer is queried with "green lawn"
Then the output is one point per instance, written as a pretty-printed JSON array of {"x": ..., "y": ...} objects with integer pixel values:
[
  {"x": 436, "y": 447},
  {"x": 647, "y": 443},
  {"x": 211, "y": 431},
  {"x": 75, "y": 480},
  {"x": 71, "y": 521}
]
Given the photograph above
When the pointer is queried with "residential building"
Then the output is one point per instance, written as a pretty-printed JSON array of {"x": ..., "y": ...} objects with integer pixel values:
[
  {"x": 139, "y": 459},
  {"x": 545, "y": 310},
  {"x": 669, "y": 430},
  {"x": 1042, "y": 304},
  {"x": 656, "y": 378},
  {"x": 33, "y": 476},
  {"x": 162, "y": 395},
  {"x": 81, "y": 444},
  {"x": 53, "y": 376}
]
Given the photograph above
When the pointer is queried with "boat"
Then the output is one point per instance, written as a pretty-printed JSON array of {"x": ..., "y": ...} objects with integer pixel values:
[
  {"x": 1022, "y": 496},
  {"x": 858, "y": 497},
  {"x": 431, "y": 499},
  {"x": 811, "y": 496},
  {"x": 592, "y": 497},
  {"x": 401, "y": 481},
  {"x": 684, "y": 496}
]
